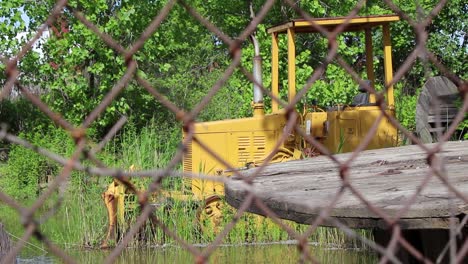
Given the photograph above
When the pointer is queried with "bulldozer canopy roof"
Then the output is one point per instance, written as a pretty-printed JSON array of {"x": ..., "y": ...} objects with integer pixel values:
[{"x": 352, "y": 24}]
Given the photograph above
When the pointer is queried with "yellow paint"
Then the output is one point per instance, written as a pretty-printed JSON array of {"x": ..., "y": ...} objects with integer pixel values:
[
  {"x": 346, "y": 129},
  {"x": 356, "y": 23},
  {"x": 370, "y": 61},
  {"x": 113, "y": 199},
  {"x": 119, "y": 200},
  {"x": 357, "y": 20},
  {"x": 317, "y": 126},
  {"x": 274, "y": 71},
  {"x": 291, "y": 66},
  {"x": 388, "y": 64},
  {"x": 239, "y": 142}
]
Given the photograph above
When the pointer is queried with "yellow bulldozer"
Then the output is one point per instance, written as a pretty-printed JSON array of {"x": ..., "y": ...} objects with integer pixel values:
[{"x": 247, "y": 142}]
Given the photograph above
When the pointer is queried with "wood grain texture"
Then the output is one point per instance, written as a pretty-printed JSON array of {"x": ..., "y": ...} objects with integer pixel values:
[
  {"x": 387, "y": 178},
  {"x": 436, "y": 102}
]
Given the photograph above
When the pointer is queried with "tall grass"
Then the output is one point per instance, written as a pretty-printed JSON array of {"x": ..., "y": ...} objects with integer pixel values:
[{"x": 81, "y": 220}]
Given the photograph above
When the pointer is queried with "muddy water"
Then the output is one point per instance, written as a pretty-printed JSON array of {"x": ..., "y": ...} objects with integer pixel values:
[{"x": 271, "y": 253}]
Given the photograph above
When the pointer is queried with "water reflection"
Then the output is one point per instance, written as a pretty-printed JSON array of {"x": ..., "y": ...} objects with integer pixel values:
[
  {"x": 35, "y": 260},
  {"x": 272, "y": 253}
]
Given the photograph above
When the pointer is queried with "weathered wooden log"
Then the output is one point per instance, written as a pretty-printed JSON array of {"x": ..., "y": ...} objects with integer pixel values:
[
  {"x": 436, "y": 108},
  {"x": 300, "y": 190},
  {"x": 387, "y": 178},
  {"x": 5, "y": 243}
]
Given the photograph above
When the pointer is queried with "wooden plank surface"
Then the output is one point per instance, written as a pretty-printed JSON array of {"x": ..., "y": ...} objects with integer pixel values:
[{"x": 300, "y": 190}]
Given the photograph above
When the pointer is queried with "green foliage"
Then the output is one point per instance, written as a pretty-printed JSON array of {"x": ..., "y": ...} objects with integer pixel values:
[
  {"x": 20, "y": 115},
  {"x": 150, "y": 147},
  {"x": 73, "y": 70},
  {"x": 406, "y": 110},
  {"x": 76, "y": 69},
  {"x": 462, "y": 128},
  {"x": 342, "y": 142},
  {"x": 12, "y": 23},
  {"x": 22, "y": 175},
  {"x": 26, "y": 172},
  {"x": 336, "y": 88}
]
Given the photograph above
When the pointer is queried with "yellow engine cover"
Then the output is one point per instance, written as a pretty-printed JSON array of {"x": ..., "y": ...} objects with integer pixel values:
[
  {"x": 343, "y": 130},
  {"x": 237, "y": 142}
]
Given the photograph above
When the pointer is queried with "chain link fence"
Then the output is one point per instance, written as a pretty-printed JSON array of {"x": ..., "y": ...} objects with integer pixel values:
[{"x": 32, "y": 220}]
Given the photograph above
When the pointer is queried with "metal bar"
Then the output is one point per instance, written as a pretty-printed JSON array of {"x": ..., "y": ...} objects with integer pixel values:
[
  {"x": 388, "y": 64},
  {"x": 370, "y": 62},
  {"x": 274, "y": 71},
  {"x": 291, "y": 66}
]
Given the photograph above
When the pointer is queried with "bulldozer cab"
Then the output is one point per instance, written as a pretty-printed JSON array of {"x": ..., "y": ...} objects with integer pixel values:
[
  {"x": 342, "y": 24},
  {"x": 340, "y": 128}
]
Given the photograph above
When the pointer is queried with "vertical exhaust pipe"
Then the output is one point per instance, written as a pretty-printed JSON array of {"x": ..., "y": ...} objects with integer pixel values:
[{"x": 258, "y": 109}]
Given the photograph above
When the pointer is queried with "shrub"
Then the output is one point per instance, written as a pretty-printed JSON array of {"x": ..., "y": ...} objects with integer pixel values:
[{"x": 26, "y": 171}]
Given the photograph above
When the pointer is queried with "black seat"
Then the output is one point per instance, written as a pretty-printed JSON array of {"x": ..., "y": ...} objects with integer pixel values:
[{"x": 362, "y": 99}]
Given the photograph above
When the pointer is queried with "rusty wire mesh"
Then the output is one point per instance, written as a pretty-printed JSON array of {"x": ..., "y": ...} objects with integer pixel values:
[{"x": 31, "y": 222}]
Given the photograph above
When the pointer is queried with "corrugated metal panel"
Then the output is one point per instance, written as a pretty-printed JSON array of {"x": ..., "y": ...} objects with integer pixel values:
[
  {"x": 259, "y": 147},
  {"x": 188, "y": 158},
  {"x": 243, "y": 146}
]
